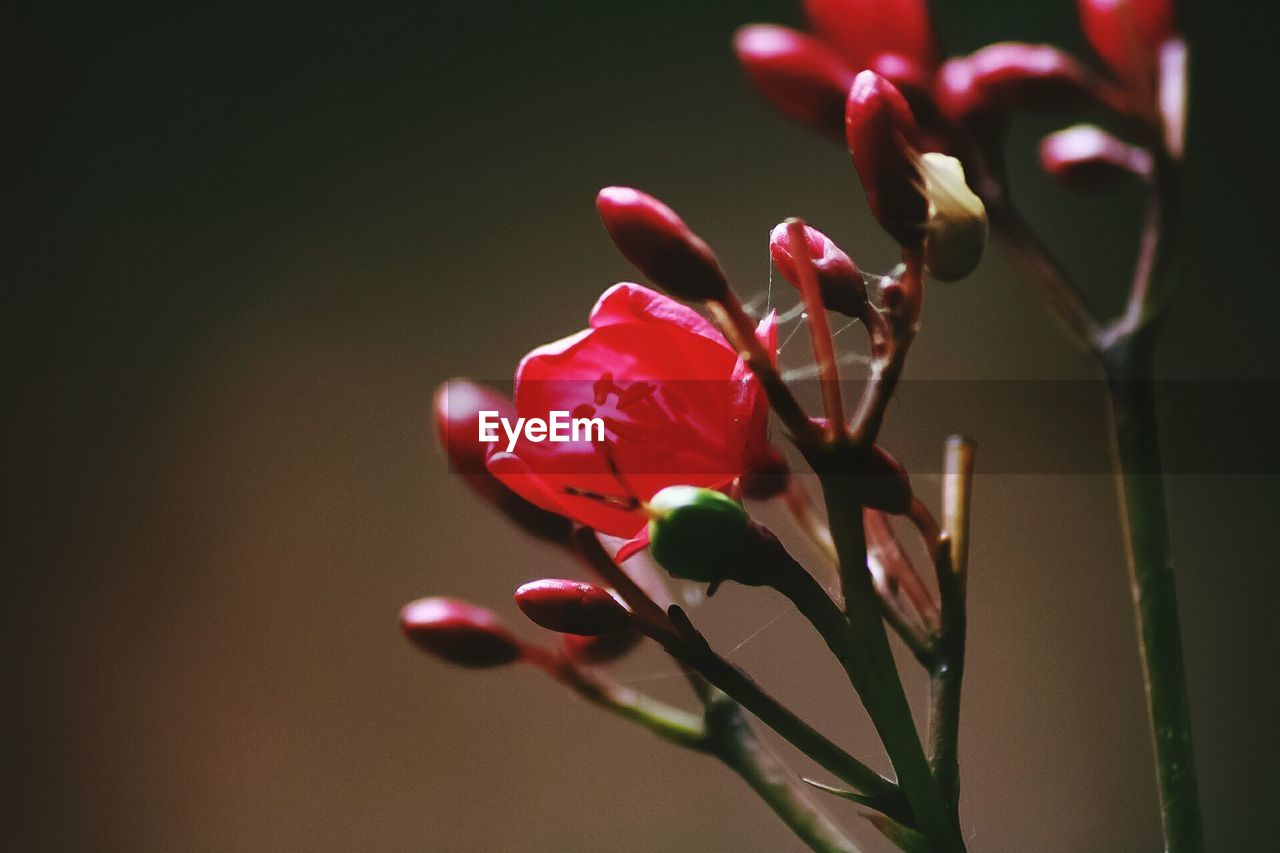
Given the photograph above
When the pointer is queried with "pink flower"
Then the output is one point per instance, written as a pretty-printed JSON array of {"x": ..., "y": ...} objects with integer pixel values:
[{"x": 678, "y": 405}]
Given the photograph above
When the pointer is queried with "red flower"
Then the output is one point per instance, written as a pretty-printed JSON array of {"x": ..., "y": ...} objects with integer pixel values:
[
  {"x": 866, "y": 30},
  {"x": 1009, "y": 76},
  {"x": 1127, "y": 34},
  {"x": 1085, "y": 155},
  {"x": 885, "y": 143},
  {"x": 808, "y": 77},
  {"x": 457, "y": 407},
  {"x": 839, "y": 279},
  {"x": 572, "y": 607},
  {"x": 459, "y": 632},
  {"x": 798, "y": 74},
  {"x": 678, "y": 404}
]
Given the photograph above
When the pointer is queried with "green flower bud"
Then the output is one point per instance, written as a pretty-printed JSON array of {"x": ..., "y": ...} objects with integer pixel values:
[
  {"x": 697, "y": 534},
  {"x": 956, "y": 230}
]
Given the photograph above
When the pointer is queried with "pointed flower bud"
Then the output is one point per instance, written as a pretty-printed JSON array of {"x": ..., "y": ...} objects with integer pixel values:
[
  {"x": 1127, "y": 34},
  {"x": 459, "y": 632},
  {"x": 1088, "y": 156},
  {"x": 697, "y": 534},
  {"x": 957, "y": 225},
  {"x": 572, "y": 607},
  {"x": 457, "y": 406},
  {"x": 653, "y": 238},
  {"x": 862, "y": 30},
  {"x": 605, "y": 648},
  {"x": 839, "y": 278},
  {"x": 1009, "y": 76},
  {"x": 884, "y": 140},
  {"x": 801, "y": 76}
]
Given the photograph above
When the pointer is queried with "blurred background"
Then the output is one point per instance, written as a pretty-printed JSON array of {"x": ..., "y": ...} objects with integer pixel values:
[{"x": 248, "y": 241}]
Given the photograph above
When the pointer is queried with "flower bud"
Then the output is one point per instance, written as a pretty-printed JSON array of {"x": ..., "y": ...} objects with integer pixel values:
[
  {"x": 864, "y": 29},
  {"x": 839, "y": 278},
  {"x": 1009, "y": 76},
  {"x": 884, "y": 140},
  {"x": 697, "y": 534},
  {"x": 457, "y": 406},
  {"x": 956, "y": 232},
  {"x": 1127, "y": 34},
  {"x": 605, "y": 648},
  {"x": 1088, "y": 156},
  {"x": 768, "y": 475},
  {"x": 657, "y": 242},
  {"x": 459, "y": 632},
  {"x": 885, "y": 484},
  {"x": 572, "y": 607},
  {"x": 798, "y": 74}
]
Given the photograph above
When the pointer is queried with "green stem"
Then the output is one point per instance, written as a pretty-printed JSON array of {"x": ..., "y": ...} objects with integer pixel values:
[
  {"x": 945, "y": 679},
  {"x": 732, "y": 740},
  {"x": 881, "y": 793},
  {"x": 722, "y": 732},
  {"x": 1141, "y": 485},
  {"x": 859, "y": 640},
  {"x": 946, "y": 671},
  {"x": 683, "y": 642}
]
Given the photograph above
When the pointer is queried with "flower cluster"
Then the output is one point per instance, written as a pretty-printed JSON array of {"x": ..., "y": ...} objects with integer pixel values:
[
  {"x": 685, "y": 398},
  {"x": 963, "y": 104}
]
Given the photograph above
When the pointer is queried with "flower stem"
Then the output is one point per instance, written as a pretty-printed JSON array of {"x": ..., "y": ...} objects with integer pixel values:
[
  {"x": 946, "y": 674},
  {"x": 731, "y": 739},
  {"x": 1151, "y": 577},
  {"x": 881, "y": 793},
  {"x": 860, "y": 642},
  {"x": 722, "y": 732},
  {"x": 819, "y": 329}
]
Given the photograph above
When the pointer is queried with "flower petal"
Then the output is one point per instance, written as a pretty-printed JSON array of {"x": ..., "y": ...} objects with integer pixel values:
[{"x": 633, "y": 303}]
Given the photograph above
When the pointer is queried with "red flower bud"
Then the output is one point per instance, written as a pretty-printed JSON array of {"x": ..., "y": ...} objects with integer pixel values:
[
  {"x": 572, "y": 607},
  {"x": 886, "y": 486},
  {"x": 839, "y": 278},
  {"x": 602, "y": 649},
  {"x": 652, "y": 237},
  {"x": 1127, "y": 33},
  {"x": 459, "y": 632},
  {"x": 884, "y": 141},
  {"x": 1007, "y": 76},
  {"x": 864, "y": 29},
  {"x": 767, "y": 477},
  {"x": 799, "y": 75},
  {"x": 1088, "y": 156},
  {"x": 457, "y": 408}
]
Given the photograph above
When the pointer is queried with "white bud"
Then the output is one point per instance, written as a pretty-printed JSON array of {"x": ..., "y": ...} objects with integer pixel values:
[{"x": 956, "y": 231}]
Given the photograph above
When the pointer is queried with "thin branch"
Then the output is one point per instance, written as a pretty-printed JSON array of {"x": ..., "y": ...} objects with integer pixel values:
[{"x": 819, "y": 330}]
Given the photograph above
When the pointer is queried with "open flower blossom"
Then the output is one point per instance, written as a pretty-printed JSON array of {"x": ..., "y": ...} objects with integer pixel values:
[{"x": 678, "y": 404}]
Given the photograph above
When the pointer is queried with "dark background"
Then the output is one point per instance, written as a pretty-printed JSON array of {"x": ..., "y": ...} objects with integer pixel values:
[{"x": 246, "y": 242}]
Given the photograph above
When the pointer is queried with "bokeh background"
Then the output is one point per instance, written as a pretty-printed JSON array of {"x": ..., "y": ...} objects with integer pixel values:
[{"x": 248, "y": 240}]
